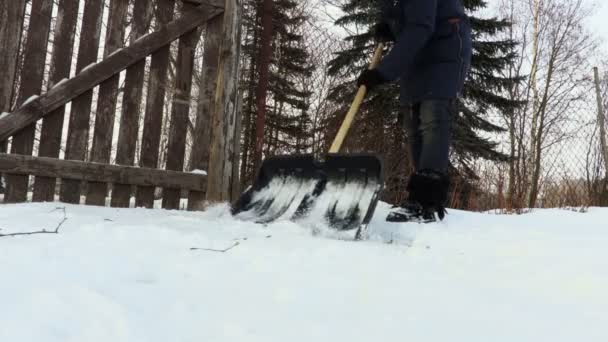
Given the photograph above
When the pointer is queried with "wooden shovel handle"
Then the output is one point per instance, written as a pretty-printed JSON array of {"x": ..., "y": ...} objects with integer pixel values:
[{"x": 354, "y": 108}]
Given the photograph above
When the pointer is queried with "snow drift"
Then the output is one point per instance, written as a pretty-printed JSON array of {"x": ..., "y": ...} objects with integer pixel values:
[{"x": 153, "y": 275}]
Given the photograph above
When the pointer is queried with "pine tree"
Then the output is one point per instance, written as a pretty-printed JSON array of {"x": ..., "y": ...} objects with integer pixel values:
[
  {"x": 482, "y": 96},
  {"x": 287, "y": 121}
]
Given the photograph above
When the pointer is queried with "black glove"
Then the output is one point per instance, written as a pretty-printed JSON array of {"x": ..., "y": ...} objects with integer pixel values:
[
  {"x": 370, "y": 79},
  {"x": 383, "y": 33}
]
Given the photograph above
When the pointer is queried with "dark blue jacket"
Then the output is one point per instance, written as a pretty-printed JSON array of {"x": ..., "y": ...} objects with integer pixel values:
[{"x": 432, "y": 54}]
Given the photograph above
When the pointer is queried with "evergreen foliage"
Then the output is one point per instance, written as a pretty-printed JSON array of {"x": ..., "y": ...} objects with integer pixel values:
[{"x": 288, "y": 122}]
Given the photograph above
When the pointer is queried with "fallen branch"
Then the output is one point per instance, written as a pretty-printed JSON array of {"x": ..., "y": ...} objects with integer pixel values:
[
  {"x": 43, "y": 231},
  {"x": 216, "y": 250}
]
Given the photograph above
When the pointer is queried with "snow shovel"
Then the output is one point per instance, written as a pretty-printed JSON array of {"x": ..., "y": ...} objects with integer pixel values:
[{"x": 340, "y": 191}]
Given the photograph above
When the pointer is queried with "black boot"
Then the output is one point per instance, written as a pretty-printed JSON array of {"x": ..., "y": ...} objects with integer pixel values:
[
  {"x": 408, "y": 211},
  {"x": 428, "y": 192}
]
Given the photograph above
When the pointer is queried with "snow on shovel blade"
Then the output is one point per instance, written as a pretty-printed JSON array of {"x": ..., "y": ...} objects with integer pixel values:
[
  {"x": 341, "y": 193},
  {"x": 350, "y": 193},
  {"x": 283, "y": 184}
]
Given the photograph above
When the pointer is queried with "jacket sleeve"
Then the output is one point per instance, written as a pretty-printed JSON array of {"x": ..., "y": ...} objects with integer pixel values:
[{"x": 417, "y": 30}]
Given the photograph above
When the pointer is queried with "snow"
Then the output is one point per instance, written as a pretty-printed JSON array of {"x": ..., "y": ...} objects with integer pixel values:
[
  {"x": 199, "y": 172},
  {"x": 30, "y": 99},
  {"x": 130, "y": 275},
  {"x": 3, "y": 114}
]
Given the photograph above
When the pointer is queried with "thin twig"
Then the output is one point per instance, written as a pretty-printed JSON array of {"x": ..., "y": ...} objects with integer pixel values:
[
  {"x": 216, "y": 250},
  {"x": 43, "y": 231}
]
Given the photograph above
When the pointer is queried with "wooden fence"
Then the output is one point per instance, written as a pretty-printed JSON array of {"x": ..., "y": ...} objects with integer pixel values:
[{"x": 215, "y": 145}]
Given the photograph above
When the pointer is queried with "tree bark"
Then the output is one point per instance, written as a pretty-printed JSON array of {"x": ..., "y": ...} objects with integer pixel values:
[
  {"x": 264, "y": 75},
  {"x": 601, "y": 121},
  {"x": 31, "y": 84}
]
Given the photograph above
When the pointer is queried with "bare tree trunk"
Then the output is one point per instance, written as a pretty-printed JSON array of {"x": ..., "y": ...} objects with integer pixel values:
[
  {"x": 602, "y": 125},
  {"x": 262, "y": 88},
  {"x": 31, "y": 84},
  {"x": 247, "y": 140},
  {"x": 78, "y": 130},
  {"x": 533, "y": 88},
  {"x": 52, "y": 125}
]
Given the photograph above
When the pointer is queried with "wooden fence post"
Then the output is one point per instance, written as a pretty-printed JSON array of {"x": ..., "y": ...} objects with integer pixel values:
[
  {"x": 11, "y": 17},
  {"x": 52, "y": 125},
  {"x": 106, "y": 102},
  {"x": 32, "y": 76},
  {"x": 226, "y": 115},
  {"x": 78, "y": 130},
  {"x": 154, "y": 106},
  {"x": 207, "y": 87},
  {"x": 129, "y": 120},
  {"x": 180, "y": 110}
]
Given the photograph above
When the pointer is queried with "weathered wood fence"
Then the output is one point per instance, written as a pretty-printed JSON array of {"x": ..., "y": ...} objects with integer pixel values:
[{"x": 215, "y": 138}]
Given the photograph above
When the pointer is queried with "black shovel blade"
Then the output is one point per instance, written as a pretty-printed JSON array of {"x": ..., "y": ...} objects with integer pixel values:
[
  {"x": 351, "y": 191},
  {"x": 341, "y": 192},
  {"x": 282, "y": 185}
]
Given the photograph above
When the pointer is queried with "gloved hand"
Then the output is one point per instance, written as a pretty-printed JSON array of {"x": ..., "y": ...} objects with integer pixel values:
[
  {"x": 383, "y": 33},
  {"x": 370, "y": 79}
]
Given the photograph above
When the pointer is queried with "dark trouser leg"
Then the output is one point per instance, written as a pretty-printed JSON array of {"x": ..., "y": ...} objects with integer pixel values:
[
  {"x": 435, "y": 128},
  {"x": 429, "y": 133},
  {"x": 411, "y": 119}
]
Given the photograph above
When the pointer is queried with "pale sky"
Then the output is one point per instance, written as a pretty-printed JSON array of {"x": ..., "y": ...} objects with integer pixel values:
[{"x": 599, "y": 22}]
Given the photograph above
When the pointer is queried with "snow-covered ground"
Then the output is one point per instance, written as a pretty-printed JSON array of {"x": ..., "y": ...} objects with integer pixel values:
[{"x": 131, "y": 275}]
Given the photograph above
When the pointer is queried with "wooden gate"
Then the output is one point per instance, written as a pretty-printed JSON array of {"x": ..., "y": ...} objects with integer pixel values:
[{"x": 88, "y": 173}]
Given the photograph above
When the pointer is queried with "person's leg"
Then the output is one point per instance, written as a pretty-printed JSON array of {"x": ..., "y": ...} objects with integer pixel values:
[
  {"x": 430, "y": 183},
  {"x": 411, "y": 118},
  {"x": 430, "y": 131},
  {"x": 436, "y": 131}
]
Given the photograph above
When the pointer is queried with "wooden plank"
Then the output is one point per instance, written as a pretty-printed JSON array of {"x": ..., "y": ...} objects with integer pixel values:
[
  {"x": 224, "y": 136},
  {"x": 11, "y": 17},
  {"x": 32, "y": 76},
  {"x": 94, "y": 172},
  {"x": 103, "y": 70},
  {"x": 214, "y": 3},
  {"x": 199, "y": 158},
  {"x": 78, "y": 128},
  {"x": 180, "y": 110},
  {"x": 129, "y": 121},
  {"x": 106, "y": 102},
  {"x": 155, "y": 104},
  {"x": 52, "y": 125}
]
